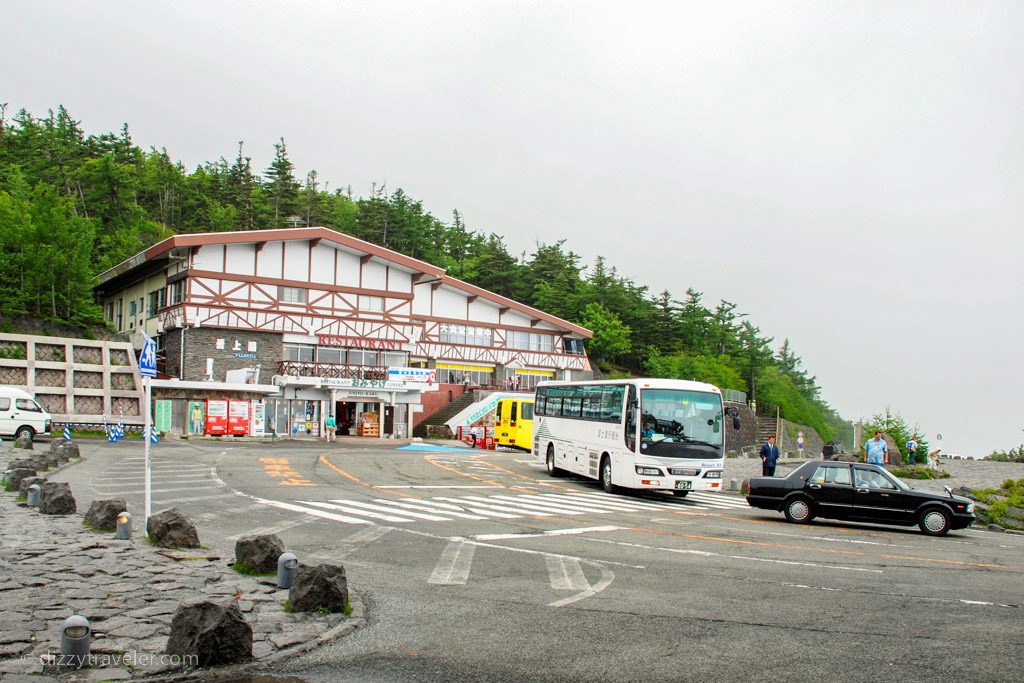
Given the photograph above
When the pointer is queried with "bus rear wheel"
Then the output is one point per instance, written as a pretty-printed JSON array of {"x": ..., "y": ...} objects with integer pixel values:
[
  {"x": 606, "y": 476},
  {"x": 552, "y": 470}
]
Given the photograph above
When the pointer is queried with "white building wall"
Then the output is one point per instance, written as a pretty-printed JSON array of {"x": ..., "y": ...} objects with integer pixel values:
[
  {"x": 483, "y": 312},
  {"x": 348, "y": 269},
  {"x": 269, "y": 262},
  {"x": 240, "y": 259},
  {"x": 323, "y": 265},
  {"x": 421, "y": 299},
  {"x": 449, "y": 304},
  {"x": 296, "y": 260},
  {"x": 399, "y": 281},
  {"x": 513, "y": 319},
  {"x": 375, "y": 276},
  {"x": 210, "y": 257}
]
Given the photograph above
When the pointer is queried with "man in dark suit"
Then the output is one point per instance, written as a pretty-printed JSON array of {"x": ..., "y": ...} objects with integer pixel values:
[{"x": 769, "y": 456}]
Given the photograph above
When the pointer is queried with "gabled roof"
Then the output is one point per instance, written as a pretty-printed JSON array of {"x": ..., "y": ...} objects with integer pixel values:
[{"x": 162, "y": 250}]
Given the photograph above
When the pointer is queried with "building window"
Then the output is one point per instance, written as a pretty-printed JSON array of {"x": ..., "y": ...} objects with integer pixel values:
[
  {"x": 119, "y": 320},
  {"x": 573, "y": 346},
  {"x": 110, "y": 312},
  {"x": 177, "y": 294},
  {"x": 361, "y": 357},
  {"x": 131, "y": 307},
  {"x": 326, "y": 354},
  {"x": 466, "y": 334},
  {"x": 157, "y": 300},
  {"x": 299, "y": 352},
  {"x": 394, "y": 360},
  {"x": 291, "y": 295},
  {"x": 531, "y": 341},
  {"x": 371, "y": 303}
]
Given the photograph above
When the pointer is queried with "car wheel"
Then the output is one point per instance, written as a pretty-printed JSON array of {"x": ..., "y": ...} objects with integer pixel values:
[
  {"x": 552, "y": 470},
  {"x": 799, "y": 511},
  {"x": 934, "y": 522},
  {"x": 606, "y": 476},
  {"x": 25, "y": 431},
  {"x": 680, "y": 494}
]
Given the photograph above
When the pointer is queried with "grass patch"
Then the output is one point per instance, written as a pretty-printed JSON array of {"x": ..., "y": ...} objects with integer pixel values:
[
  {"x": 998, "y": 503},
  {"x": 97, "y": 529},
  {"x": 7, "y": 486},
  {"x": 21, "y": 499},
  {"x": 320, "y": 609},
  {"x": 918, "y": 472},
  {"x": 246, "y": 570}
]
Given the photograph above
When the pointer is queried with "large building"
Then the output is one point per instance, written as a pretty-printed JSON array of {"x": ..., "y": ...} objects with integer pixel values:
[{"x": 310, "y": 322}]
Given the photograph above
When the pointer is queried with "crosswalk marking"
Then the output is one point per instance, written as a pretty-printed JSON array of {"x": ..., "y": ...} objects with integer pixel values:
[
  {"x": 453, "y": 567},
  {"x": 504, "y": 506}
]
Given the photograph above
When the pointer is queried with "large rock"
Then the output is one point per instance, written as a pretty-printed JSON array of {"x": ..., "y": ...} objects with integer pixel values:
[
  {"x": 102, "y": 514},
  {"x": 24, "y": 442},
  {"x": 70, "y": 450},
  {"x": 259, "y": 553},
  {"x": 16, "y": 474},
  {"x": 170, "y": 529},
  {"x": 21, "y": 462},
  {"x": 322, "y": 586},
  {"x": 213, "y": 633},
  {"x": 56, "y": 499},
  {"x": 28, "y": 481}
]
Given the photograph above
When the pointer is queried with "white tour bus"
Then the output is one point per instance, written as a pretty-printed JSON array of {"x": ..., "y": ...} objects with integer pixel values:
[
  {"x": 636, "y": 433},
  {"x": 21, "y": 414}
]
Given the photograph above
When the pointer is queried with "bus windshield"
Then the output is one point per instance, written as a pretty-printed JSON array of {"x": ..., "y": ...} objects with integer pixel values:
[{"x": 680, "y": 424}]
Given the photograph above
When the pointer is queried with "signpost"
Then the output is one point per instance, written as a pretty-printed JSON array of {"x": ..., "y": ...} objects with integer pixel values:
[{"x": 147, "y": 368}]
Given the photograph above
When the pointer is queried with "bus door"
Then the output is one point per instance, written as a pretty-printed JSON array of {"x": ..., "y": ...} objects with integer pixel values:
[{"x": 629, "y": 433}]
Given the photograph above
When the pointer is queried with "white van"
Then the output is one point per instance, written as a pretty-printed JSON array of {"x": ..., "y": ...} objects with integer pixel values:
[{"x": 21, "y": 414}]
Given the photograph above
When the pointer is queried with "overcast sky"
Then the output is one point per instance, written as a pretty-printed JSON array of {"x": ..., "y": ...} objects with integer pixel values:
[{"x": 850, "y": 174}]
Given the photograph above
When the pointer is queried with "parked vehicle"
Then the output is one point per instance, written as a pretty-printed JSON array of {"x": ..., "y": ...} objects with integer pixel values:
[
  {"x": 21, "y": 414},
  {"x": 861, "y": 493},
  {"x": 513, "y": 423}
]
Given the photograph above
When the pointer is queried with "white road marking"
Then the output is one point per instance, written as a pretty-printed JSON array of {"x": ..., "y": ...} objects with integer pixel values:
[
  {"x": 550, "y": 532},
  {"x": 386, "y": 508},
  {"x": 191, "y": 499},
  {"x": 453, "y": 567},
  {"x": 566, "y": 574},
  {"x": 499, "y": 511},
  {"x": 426, "y": 508},
  {"x": 356, "y": 510},
  {"x": 707, "y": 553},
  {"x": 446, "y": 507},
  {"x": 315, "y": 513},
  {"x": 429, "y": 486},
  {"x": 606, "y": 579},
  {"x": 266, "y": 531},
  {"x": 523, "y": 508}
]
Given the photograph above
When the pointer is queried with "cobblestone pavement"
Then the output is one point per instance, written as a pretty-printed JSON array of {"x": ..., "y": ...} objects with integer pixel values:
[
  {"x": 972, "y": 474},
  {"x": 53, "y": 566}
]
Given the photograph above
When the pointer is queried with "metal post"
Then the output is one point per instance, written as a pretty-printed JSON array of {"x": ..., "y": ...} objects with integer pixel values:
[{"x": 149, "y": 424}]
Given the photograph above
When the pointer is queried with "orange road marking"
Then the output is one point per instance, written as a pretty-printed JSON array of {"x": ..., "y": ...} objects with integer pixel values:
[
  {"x": 518, "y": 476},
  {"x": 474, "y": 478},
  {"x": 324, "y": 460}
]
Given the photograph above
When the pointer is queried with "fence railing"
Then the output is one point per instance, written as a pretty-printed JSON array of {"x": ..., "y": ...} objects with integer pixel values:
[
  {"x": 297, "y": 368},
  {"x": 734, "y": 396}
]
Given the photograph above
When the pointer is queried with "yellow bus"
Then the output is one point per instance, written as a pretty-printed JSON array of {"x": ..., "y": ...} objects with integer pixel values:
[{"x": 513, "y": 423}]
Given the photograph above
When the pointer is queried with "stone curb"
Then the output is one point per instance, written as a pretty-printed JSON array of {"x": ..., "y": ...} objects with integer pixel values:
[{"x": 355, "y": 621}]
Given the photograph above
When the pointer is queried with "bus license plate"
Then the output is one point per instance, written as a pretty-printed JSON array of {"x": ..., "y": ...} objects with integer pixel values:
[{"x": 685, "y": 485}]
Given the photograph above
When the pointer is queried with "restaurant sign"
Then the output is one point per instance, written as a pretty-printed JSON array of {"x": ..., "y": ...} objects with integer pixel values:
[{"x": 348, "y": 341}]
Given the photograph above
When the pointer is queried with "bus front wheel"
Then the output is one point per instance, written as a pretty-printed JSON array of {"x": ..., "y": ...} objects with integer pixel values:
[
  {"x": 606, "y": 476},
  {"x": 552, "y": 470}
]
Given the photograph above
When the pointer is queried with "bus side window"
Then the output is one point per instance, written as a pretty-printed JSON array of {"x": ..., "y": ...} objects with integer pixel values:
[
  {"x": 630, "y": 432},
  {"x": 512, "y": 412},
  {"x": 497, "y": 413}
]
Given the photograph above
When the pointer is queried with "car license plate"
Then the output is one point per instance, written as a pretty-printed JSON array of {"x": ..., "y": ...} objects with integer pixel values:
[{"x": 685, "y": 485}]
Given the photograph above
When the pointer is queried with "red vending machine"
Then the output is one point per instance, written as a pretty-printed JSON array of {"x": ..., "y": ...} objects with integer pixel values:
[
  {"x": 216, "y": 417},
  {"x": 238, "y": 418}
]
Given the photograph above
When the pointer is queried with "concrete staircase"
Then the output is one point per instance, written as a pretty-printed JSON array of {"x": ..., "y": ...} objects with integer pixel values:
[
  {"x": 766, "y": 426},
  {"x": 445, "y": 414}
]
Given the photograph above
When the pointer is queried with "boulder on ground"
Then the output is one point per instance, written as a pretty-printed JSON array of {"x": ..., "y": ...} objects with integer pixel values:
[
  {"x": 170, "y": 529},
  {"x": 70, "y": 450},
  {"x": 215, "y": 634},
  {"x": 323, "y": 586},
  {"x": 16, "y": 474},
  {"x": 24, "y": 442},
  {"x": 56, "y": 499},
  {"x": 102, "y": 514},
  {"x": 259, "y": 553},
  {"x": 28, "y": 481},
  {"x": 21, "y": 462},
  {"x": 846, "y": 457}
]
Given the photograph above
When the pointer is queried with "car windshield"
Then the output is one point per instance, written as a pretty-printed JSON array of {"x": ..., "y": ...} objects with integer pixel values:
[{"x": 681, "y": 424}]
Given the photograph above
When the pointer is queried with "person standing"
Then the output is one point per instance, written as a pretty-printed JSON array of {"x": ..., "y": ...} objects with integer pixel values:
[
  {"x": 876, "y": 450},
  {"x": 769, "y": 457},
  {"x": 331, "y": 428},
  {"x": 911, "y": 450}
]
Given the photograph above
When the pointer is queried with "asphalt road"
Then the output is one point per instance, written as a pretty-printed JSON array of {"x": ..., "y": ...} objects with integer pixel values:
[{"x": 477, "y": 566}]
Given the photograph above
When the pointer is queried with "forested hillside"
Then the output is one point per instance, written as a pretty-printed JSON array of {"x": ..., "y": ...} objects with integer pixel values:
[{"x": 73, "y": 204}]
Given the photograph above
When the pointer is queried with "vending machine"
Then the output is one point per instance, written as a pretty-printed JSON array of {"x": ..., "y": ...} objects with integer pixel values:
[
  {"x": 258, "y": 424},
  {"x": 216, "y": 416},
  {"x": 238, "y": 418}
]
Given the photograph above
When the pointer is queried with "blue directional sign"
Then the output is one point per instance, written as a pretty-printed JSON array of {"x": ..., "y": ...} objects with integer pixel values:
[{"x": 147, "y": 360}]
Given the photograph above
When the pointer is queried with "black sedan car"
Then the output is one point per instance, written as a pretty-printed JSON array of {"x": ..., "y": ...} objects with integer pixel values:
[{"x": 860, "y": 493}]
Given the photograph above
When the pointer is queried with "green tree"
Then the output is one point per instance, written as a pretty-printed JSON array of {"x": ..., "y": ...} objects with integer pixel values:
[
  {"x": 281, "y": 186},
  {"x": 611, "y": 338}
]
